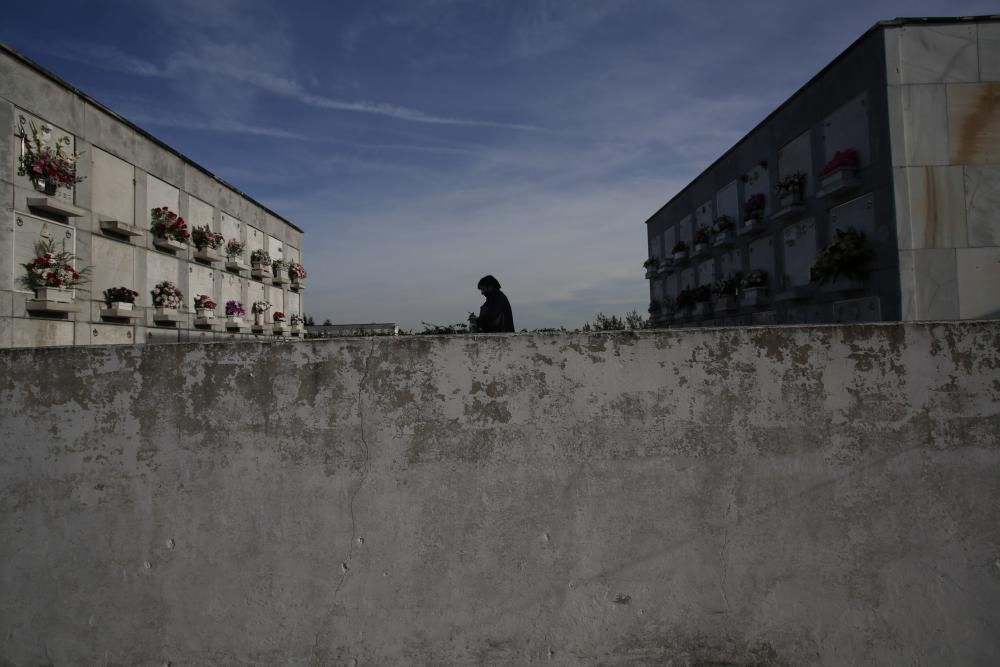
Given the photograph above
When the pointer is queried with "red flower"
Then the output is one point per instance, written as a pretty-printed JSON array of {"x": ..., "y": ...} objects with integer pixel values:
[{"x": 171, "y": 215}]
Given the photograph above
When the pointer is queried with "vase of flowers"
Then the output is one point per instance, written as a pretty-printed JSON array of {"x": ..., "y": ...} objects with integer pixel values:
[
  {"x": 840, "y": 173},
  {"x": 260, "y": 262},
  {"x": 207, "y": 244},
  {"x": 169, "y": 230},
  {"x": 753, "y": 210},
  {"x": 297, "y": 273},
  {"x": 680, "y": 252},
  {"x": 844, "y": 262},
  {"x": 48, "y": 166},
  {"x": 234, "y": 256},
  {"x": 234, "y": 314},
  {"x": 722, "y": 231},
  {"x": 753, "y": 289},
  {"x": 724, "y": 292},
  {"x": 166, "y": 300},
  {"x": 52, "y": 275},
  {"x": 279, "y": 272},
  {"x": 701, "y": 241},
  {"x": 791, "y": 189},
  {"x": 296, "y": 325},
  {"x": 204, "y": 307},
  {"x": 279, "y": 323},
  {"x": 258, "y": 308},
  {"x": 120, "y": 301}
]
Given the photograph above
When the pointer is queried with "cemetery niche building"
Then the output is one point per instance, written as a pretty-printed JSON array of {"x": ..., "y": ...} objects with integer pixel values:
[
  {"x": 873, "y": 193},
  {"x": 116, "y": 210}
]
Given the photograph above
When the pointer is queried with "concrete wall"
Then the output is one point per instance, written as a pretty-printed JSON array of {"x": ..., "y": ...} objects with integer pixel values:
[
  {"x": 944, "y": 101},
  {"x": 127, "y": 173},
  {"x": 790, "y": 496}
]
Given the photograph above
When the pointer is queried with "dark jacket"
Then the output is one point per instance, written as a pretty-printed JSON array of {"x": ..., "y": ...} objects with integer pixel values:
[{"x": 495, "y": 315}]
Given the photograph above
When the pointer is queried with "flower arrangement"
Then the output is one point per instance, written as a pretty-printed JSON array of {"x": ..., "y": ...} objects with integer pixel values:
[
  {"x": 754, "y": 207},
  {"x": 204, "y": 237},
  {"x": 46, "y": 164},
  {"x": 685, "y": 300},
  {"x": 848, "y": 254},
  {"x": 119, "y": 295},
  {"x": 296, "y": 271},
  {"x": 845, "y": 158},
  {"x": 793, "y": 184},
  {"x": 702, "y": 294},
  {"x": 755, "y": 278},
  {"x": 260, "y": 257},
  {"x": 649, "y": 263},
  {"x": 701, "y": 236},
  {"x": 680, "y": 246},
  {"x": 234, "y": 248},
  {"x": 166, "y": 295},
  {"x": 721, "y": 224},
  {"x": 279, "y": 266},
  {"x": 52, "y": 268},
  {"x": 204, "y": 302},
  {"x": 296, "y": 320},
  {"x": 725, "y": 287},
  {"x": 278, "y": 316},
  {"x": 168, "y": 225},
  {"x": 234, "y": 308},
  {"x": 260, "y": 307}
]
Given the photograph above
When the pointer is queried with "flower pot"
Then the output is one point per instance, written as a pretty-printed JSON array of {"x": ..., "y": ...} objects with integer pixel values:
[
  {"x": 279, "y": 279},
  {"x": 753, "y": 296},
  {"x": 165, "y": 315},
  {"x": 838, "y": 181},
  {"x": 279, "y": 329},
  {"x": 234, "y": 322},
  {"x": 55, "y": 294},
  {"x": 700, "y": 248},
  {"x": 170, "y": 245},
  {"x": 205, "y": 313},
  {"x": 680, "y": 256},
  {"x": 296, "y": 329},
  {"x": 258, "y": 319},
  {"x": 791, "y": 199},
  {"x": 723, "y": 238},
  {"x": 235, "y": 265},
  {"x": 45, "y": 185},
  {"x": 208, "y": 255},
  {"x": 298, "y": 284},
  {"x": 121, "y": 305}
]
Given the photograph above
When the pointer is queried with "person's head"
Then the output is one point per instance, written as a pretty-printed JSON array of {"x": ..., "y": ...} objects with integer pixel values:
[{"x": 488, "y": 285}]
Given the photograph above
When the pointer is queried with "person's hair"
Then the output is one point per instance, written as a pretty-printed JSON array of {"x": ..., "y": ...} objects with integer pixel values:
[{"x": 488, "y": 281}]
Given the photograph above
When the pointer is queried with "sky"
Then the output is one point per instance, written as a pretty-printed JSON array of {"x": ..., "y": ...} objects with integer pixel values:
[{"x": 421, "y": 144}]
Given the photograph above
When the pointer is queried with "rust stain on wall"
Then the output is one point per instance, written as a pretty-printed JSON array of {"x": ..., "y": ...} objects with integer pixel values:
[{"x": 974, "y": 111}]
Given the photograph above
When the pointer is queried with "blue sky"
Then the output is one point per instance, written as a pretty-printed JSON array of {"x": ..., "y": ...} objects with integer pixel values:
[{"x": 423, "y": 143}]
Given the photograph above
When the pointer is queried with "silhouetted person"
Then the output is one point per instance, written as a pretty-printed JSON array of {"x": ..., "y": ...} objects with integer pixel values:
[{"x": 494, "y": 315}]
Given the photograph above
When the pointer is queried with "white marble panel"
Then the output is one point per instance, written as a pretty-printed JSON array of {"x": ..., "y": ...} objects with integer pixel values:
[
  {"x": 796, "y": 157},
  {"x": 706, "y": 272},
  {"x": 688, "y": 279},
  {"x": 731, "y": 263},
  {"x": 231, "y": 289},
  {"x": 937, "y": 54},
  {"x": 231, "y": 227},
  {"x": 276, "y": 297},
  {"x": 979, "y": 283},
  {"x": 199, "y": 213},
  {"x": 704, "y": 215},
  {"x": 974, "y": 123},
  {"x": 685, "y": 231},
  {"x": 159, "y": 267},
  {"x": 918, "y": 118},
  {"x": 293, "y": 303},
  {"x": 159, "y": 194},
  {"x": 88, "y": 333},
  {"x": 201, "y": 280},
  {"x": 930, "y": 207},
  {"x": 112, "y": 187},
  {"x": 935, "y": 284},
  {"x": 982, "y": 205},
  {"x": 670, "y": 287},
  {"x": 989, "y": 51},
  {"x": 113, "y": 267},
  {"x": 40, "y": 333},
  {"x": 799, "y": 251},
  {"x": 856, "y": 214},
  {"x": 847, "y": 127},
  {"x": 727, "y": 201},
  {"x": 275, "y": 248},
  {"x": 28, "y": 230},
  {"x": 292, "y": 254},
  {"x": 255, "y": 240}
]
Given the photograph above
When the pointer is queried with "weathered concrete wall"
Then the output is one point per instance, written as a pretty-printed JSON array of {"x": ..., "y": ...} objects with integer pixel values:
[{"x": 795, "y": 496}]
